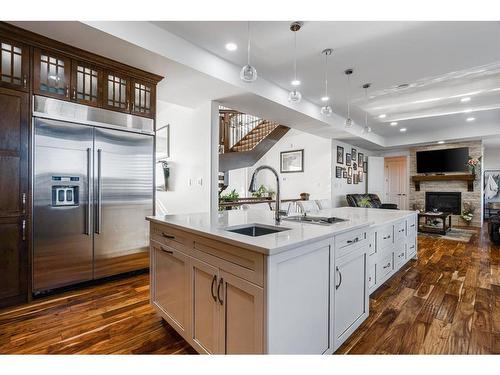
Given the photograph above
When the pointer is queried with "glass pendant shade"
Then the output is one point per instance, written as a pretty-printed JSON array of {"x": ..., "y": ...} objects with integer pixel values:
[
  {"x": 326, "y": 110},
  {"x": 248, "y": 73},
  {"x": 348, "y": 122},
  {"x": 294, "y": 96}
]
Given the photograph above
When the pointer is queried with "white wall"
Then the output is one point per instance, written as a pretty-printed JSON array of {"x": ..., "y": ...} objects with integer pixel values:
[
  {"x": 190, "y": 159},
  {"x": 491, "y": 158},
  {"x": 340, "y": 187}
]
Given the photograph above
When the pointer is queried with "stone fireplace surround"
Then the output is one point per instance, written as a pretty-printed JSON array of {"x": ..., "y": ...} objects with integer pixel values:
[{"x": 417, "y": 198}]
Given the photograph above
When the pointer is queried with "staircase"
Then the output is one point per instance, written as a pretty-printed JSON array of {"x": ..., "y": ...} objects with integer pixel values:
[{"x": 245, "y": 138}]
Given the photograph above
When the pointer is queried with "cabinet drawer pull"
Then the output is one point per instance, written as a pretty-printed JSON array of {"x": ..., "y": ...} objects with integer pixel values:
[
  {"x": 25, "y": 81},
  {"x": 401, "y": 255},
  {"x": 353, "y": 240},
  {"x": 386, "y": 266},
  {"x": 412, "y": 226},
  {"x": 218, "y": 291},
  {"x": 23, "y": 202},
  {"x": 74, "y": 94},
  {"x": 169, "y": 236},
  {"x": 386, "y": 237},
  {"x": 166, "y": 251},
  {"x": 214, "y": 280},
  {"x": 67, "y": 91},
  {"x": 412, "y": 246},
  {"x": 23, "y": 226},
  {"x": 340, "y": 278},
  {"x": 401, "y": 230}
]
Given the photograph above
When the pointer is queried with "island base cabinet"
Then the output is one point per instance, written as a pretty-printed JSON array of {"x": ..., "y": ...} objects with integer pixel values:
[
  {"x": 170, "y": 285},
  {"x": 242, "y": 316},
  {"x": 351, "y": 294}
]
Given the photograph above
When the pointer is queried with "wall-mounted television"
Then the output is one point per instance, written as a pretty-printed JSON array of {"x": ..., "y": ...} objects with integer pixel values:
[{"x": 441, "y": 161}]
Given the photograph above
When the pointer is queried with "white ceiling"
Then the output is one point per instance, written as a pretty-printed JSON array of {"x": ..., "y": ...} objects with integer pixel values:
[{"x": 441, "y": 61}]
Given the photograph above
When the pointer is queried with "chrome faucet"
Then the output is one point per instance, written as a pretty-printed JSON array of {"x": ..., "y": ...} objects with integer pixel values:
[{"x": 253, "y": 188}]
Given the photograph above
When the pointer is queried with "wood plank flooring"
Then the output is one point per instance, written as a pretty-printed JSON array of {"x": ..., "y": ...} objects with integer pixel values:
[{"x": 446, "y": 302}]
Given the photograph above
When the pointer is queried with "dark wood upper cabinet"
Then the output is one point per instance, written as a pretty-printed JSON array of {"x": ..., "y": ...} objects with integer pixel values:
[
  {"x": 51, "y": 74},
  {"x": 14, "y": 65},
  {"x": 116, "y": 90},
  {"x": 143, "y": 98},
  {"x": 86, "y": 84}
]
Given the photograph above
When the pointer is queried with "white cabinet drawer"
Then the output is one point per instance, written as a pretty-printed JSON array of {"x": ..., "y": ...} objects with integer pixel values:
[
  {"x": 371, "y": 243},
  {"x": 347, "y": 242},
  {"x": 385, "y": 266},
  {"x": 400, "y": 229},
  {"x": 411, "y": 249},
  {"x": 411, "y": 223},
  {"x": 385, "y": 237},
  {"x": 400, "y": 255}
]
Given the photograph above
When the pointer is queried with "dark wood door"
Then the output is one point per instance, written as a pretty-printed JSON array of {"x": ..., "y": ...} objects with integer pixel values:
[
  {"x": 86, "y": 84},
  {"x": 51, "y": 74},
  {"x": 143, "y": 98},
  {"x": 116, "y": 92},
  {"x": 14, "y": 107},
  {"x": 14, "y": 65}
]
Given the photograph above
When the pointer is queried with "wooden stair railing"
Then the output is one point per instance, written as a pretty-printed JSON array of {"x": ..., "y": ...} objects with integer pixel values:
[{"x": 254, "y": 137}]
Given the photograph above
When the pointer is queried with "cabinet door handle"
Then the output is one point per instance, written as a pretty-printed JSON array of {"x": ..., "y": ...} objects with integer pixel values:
[
  {"x": 412, "y": 226},
  {"x": 25, "y": 81},
  {"x": 74, "y": 93},
  {"x": 23, "y": 202},
  {"x": 166, "y": 251},
  {"x": 386, "y": 237},
  {"x": 169, "y": 236},
  {"x": 214, "y": 280},
  {"x": 387, "y": 266},
  {"x": 401, "y": 230},
  {"x": 218, "y": 291},
  {"x": 353, "y": 240},
  {"x": 340, "y": 278},
  {"x": 23, "y": 228},
  {"x": 67, "y": 91}
]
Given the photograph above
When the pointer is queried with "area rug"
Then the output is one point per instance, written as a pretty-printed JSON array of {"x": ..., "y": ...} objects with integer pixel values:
[{"x": 454, "y": 234}]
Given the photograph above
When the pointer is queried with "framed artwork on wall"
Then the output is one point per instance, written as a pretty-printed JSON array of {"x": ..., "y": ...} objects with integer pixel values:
[
  {"x": 344, "y": 173},
  {"x": 292, "y": 161},
  {"x": 347, "y": 159},
  {"x": 354, "y": 154},
  {"x": 338, "y": 172},
  {"x": 355, "y": 178},
  {"x": 361, "y": 159},
  {"x": 349, "y": 172},
  {"x": 360, "y": 176},
  {"x": 491, "y": 192},
  {"x": 365, "y": 166},
  {"x": 340, "y": 155},
  {"x": 163, "y": 142},
  {"x": 354, "y": 166},
  {"x": 349, "y": 180}
]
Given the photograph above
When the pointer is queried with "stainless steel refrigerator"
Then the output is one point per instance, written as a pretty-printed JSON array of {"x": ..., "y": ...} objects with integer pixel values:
[{"x": 92, "y": 189}]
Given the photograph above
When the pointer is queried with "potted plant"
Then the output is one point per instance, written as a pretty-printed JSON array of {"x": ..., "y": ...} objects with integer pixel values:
[
  {"x": 467, "y": 213},
  {"x": 472, "y": 164}
]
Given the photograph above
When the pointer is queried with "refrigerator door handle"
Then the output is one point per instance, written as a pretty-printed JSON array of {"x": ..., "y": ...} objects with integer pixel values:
[
  {"x": 89, "y": 173},
  {"x": 98, "y": 208}
]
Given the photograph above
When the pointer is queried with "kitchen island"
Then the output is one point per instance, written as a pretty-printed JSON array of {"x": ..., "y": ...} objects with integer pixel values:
[{"x": 235, "y": 282}]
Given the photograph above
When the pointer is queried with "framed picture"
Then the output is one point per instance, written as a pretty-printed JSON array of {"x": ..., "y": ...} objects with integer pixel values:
[
  {"x": 349, "y": 180},
  {"x": 355, "y": 166},
  {"x": 347, "y": 159},
  {"x": 353, "y": 154},
  {"x": 360, "y": 176},
  {"x": 365, "y": 166},
  {"x": 292, "y": 161},
  {"x": 163, "y": 142},
  {"x": 361, "y": 159},
  {"x": 355, "y": 178},
  {"x": 491, "y": 191},
  {"x": 340, "y": 155},
  {"x": 338, "y": 172},
  {"x": 349, "y": 172},
  {"x": 344, "y": 173}
]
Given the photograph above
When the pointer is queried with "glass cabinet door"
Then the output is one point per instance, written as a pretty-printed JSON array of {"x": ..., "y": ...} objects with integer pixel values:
[
  {"x": 51, "y": 74},
  {"x": 86, "y": 84},
  {"x": 14, "y": 65},
  {"x": 143, "y": 98},
  {"x": 116, "y": 92}
]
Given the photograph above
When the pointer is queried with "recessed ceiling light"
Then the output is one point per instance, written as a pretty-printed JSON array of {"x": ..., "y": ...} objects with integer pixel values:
[
  {"x": 402, "y": 130},
  {"x": 382, "y": 116},
  {"x": 441, "y": 142},
  {"x": 325, "y": 98},
  {"x": 394, "y": 123},
  {"x": 231, "y": 46},
  {"x": 295, "y": 82},
  {"x": 466, "y": 99},
  {"x": 469, "y": 119}
]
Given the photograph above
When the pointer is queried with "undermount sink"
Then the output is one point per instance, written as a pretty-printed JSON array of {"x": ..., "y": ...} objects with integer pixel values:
[{"x": 255, "y": 230}]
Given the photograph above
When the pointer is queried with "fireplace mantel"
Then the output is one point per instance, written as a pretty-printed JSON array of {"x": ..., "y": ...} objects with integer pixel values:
[{"x": 468, "y": 178}]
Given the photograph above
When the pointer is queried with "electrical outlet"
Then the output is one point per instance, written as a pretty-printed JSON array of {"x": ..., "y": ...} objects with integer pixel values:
[{"x": 200, "y": 181}]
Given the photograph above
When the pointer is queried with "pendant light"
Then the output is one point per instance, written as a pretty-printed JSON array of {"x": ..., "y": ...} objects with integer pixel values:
[
  {"x": 366, "y": 129},
  {"x": 295, "y": 96},
  {"x": 326, "y": 110},
  {"x": 348, "y": 120},
  {"x": 248, "y": 73}
]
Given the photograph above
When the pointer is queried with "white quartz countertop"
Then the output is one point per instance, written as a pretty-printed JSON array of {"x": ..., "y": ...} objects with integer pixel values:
[{"x": 299, "y": 234}]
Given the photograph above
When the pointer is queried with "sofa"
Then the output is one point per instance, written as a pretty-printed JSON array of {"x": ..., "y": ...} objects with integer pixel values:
[
  {"x": 369, "y": 201},
  {"x": 494, "y": 229}
]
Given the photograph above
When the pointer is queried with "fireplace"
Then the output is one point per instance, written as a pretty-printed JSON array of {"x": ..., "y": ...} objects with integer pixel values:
[{"x": 445, "y": 202}]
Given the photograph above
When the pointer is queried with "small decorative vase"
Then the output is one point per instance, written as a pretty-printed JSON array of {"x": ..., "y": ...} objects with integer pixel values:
[{"x": 472, "y": 170}]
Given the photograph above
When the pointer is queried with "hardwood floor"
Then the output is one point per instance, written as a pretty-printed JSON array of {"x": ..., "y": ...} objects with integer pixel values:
[{"x": 446, "y": 302}]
